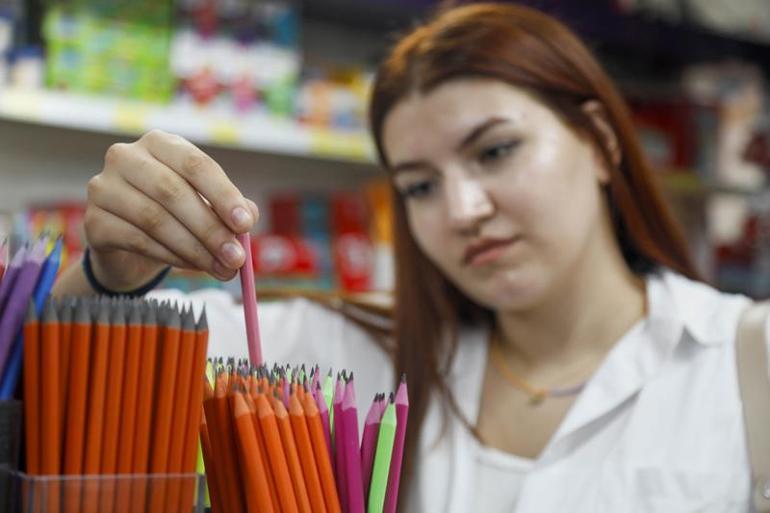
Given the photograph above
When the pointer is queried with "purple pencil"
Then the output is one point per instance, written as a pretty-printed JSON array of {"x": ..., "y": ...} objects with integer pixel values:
[
  {"x": 12, "y": 317},
  {"x": 339, "y": 446},
  {"x": 394, "y": 475},
  {"x": 323, "y": 410},
  {"x": 352, "y": 450},
  {"x": 11, "y": 273},
  {"x": 369, "y": 442}
]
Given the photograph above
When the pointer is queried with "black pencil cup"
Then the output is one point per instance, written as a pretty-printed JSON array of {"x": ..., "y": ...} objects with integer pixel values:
[{"x": 10, "y": 447}]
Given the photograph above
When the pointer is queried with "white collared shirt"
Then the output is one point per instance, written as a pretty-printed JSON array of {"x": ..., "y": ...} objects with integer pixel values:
[{"x": 658, "y": 428}]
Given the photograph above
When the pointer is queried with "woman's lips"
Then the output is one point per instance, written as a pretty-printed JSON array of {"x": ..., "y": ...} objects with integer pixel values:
[{"x": 486, "y": 251}]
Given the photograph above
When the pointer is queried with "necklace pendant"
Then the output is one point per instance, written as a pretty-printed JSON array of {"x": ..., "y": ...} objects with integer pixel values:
[{"x": 538, "y": 397}]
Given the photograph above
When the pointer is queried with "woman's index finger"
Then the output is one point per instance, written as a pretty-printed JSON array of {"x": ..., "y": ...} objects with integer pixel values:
[{"x": 204, "y": 174}]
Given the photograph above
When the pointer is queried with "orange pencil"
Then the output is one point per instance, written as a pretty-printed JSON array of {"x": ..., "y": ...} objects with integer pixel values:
[
  {"x": 321, "y": 452},
  {"x": 192, "y": 420},
  {"x": 49, "y": 398},
  {"x": 276, "y": 455},
  {"x": 183, "y": 389},
  {"x": 66, "y": 313},
  {"x": 32, "y": 390},
  {"x": 97, "y": 388},
  {"x": 113, "y": 406},
  {"x": 212, "y": 477},
  {"x": 50, "y": 418},
  {"x": 251, "y": 403},
  {"x": 216, "y": 474},
  {"x": 144, "y": 404},
  {"x": 163, "y": 412},
  {"x": 292, "y": 456},
  {"x": 233, "y": 492},
  {"x": 306, "y": 455},
  {"x": 77, "y": 400},
  {"x": 129, "y": 405},
  {"x": 258, "y": 498}
]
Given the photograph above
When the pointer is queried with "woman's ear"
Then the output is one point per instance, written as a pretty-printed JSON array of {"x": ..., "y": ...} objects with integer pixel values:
[{"x": 598, "y": 116}]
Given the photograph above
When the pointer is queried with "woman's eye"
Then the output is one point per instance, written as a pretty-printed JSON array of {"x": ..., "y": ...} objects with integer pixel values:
[
  {"x": 418, "y": 190},
  {"x": 496, "y": 152}
]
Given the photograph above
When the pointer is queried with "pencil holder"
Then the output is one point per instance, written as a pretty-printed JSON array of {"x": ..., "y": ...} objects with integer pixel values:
[
  {"x": 124, "y": 493},
  {"x": 10, "y": 444}
]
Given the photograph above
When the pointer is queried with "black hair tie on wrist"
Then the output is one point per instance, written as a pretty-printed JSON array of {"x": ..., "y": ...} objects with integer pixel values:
[{"x": 101, "y": 289}]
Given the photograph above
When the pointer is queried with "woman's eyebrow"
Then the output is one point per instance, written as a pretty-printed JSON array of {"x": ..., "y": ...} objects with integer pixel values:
[
  {"x": 412, "y": 165},
  {"x": 479, "y": 130},
  {"x": 475, "y": 133}
]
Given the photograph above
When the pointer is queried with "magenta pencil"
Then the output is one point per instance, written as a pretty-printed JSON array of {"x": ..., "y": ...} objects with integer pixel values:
[
  {"x": 339, "y": 446},
  {"x": 250, "y": 302},
  {"x": 323, "y": 411},
  {"x": 394, "y": 475},
  {"x": 352, "y": 452},
  {"x": 369, "y": 443}
]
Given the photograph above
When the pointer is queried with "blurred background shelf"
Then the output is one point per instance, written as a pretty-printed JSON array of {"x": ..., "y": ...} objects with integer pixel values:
[
  {"x": 276, "y": 92},
  {"x": 208, "y": 126},
  {"x": 687, "y": 183}
]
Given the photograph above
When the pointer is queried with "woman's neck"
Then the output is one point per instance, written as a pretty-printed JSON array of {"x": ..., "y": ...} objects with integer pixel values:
[{"x": 577, "y": 324}]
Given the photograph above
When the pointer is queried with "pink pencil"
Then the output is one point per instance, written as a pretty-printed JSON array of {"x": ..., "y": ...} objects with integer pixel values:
[
  {"x": 394, "y": 475},
  {"x": 369, "y": 443},
  {"x": 352, "y": 452},
  {"x": 250, "y": 302}
]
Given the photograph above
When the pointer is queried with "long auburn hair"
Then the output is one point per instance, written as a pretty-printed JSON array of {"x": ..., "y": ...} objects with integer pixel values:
[{"x": 531, "y": 50}]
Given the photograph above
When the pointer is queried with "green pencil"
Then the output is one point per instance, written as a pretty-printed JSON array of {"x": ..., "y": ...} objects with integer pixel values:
[
  {"x": 328, "y": 392},
  {"x": 387, "y": 435}
]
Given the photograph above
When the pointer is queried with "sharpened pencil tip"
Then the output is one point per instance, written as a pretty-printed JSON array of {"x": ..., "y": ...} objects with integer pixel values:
[
  {"x": 203, "y": 323},
  {"x": 49, "y": 311},
  {"x": 31, "y": 312}
]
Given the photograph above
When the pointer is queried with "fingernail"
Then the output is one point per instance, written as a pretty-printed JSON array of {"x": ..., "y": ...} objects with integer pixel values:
[
  {"x": 232, "y": 254},
  {"x": 242, "y": 217},
  {"x": 221, "y": 271}
]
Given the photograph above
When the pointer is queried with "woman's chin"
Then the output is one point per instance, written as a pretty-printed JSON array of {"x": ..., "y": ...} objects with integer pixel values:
[{"x": 513, "y": 291}]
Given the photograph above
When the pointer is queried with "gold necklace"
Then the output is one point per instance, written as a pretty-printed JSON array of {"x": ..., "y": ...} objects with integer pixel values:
[{"x": 536, "y": 394}]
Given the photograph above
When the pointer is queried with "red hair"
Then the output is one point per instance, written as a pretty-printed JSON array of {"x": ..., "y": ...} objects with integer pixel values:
[{"x": 528, "y": 49}]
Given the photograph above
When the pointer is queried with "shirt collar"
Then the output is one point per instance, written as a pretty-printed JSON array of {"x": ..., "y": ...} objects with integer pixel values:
[{"x": 698, "y": 308}]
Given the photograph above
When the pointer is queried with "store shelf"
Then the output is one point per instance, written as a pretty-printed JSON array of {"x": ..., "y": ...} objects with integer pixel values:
[
  {"x": 630, "y": 37},
  {"x": 690, "y": 184},
  {"x": 211, "y": 126}
]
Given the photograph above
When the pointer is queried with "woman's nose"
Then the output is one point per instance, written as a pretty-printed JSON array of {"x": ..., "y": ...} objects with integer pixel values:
[{"x": 468, "y": 202}]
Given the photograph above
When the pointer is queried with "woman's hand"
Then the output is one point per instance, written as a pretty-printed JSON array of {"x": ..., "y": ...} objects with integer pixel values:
[{"x": 159, "y": 201}]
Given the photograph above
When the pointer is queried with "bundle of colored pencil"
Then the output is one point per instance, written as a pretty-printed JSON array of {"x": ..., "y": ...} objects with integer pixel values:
[
  {"x": 113, "y": 387},
  {"x": 28, "y": 277},
  {"x": 281, "y": 441}
]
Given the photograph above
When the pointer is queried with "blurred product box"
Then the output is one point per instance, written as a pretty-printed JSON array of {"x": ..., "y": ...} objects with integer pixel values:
[{"x": 110, "y": 48}]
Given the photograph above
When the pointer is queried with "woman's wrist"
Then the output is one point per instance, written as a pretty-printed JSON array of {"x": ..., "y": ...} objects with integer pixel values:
[{"x": 92, "y": 275}]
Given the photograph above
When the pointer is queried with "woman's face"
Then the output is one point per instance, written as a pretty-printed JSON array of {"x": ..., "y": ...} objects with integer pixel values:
[{"x": 500, "y": 193}]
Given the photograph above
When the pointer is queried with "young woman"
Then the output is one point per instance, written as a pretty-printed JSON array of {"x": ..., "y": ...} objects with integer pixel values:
[{"x": 559, "y": 355}]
